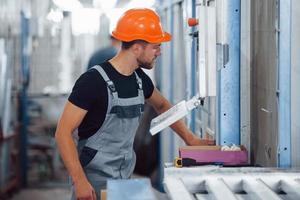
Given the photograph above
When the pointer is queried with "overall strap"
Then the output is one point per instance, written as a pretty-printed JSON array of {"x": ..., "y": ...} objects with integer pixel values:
[
  {"x": 110, "y": 84},
  {"x": 140, "y": 84}
]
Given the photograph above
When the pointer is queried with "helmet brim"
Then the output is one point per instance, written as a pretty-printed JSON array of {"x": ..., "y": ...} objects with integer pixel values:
[{"x": 166, "y": 37}]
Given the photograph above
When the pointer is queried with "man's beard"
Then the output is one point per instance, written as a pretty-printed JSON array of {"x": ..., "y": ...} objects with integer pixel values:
[{"x": 145, "y": 64}]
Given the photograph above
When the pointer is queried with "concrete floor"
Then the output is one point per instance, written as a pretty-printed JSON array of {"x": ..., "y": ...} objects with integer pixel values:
[
  {"x": 58, "y": 194},
  {"x": 57, "y": 189},
  {"x": 45, "y": 194}
]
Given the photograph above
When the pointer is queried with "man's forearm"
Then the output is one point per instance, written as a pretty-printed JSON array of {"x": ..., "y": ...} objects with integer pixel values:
[
  {"x": 161, "y": 104},
  {"x": 181, "y": 129},
  {"x": 186, "y": 135},
  {"x": 68, "y": 152}
]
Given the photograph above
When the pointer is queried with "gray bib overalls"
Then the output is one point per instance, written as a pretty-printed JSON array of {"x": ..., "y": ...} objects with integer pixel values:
[{"x": 108, "y": 154}]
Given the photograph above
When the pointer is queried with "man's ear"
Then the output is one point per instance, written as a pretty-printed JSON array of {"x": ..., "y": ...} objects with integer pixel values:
[{"x": 137, "y": 49}]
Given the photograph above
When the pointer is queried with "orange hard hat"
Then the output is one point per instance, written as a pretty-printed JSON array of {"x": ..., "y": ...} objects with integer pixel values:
[{"x": 140, "y": 24}]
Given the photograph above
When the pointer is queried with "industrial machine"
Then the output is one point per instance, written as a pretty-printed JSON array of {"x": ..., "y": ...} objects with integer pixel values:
[{"x": 215, "y": 182}]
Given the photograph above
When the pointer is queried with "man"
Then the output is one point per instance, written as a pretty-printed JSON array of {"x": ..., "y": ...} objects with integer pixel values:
[
  {"x": 106, "y": 104},
  {"x": 104, "y": 54}
]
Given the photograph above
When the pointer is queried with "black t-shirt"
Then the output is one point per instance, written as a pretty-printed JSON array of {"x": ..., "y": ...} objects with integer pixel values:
[{"x": 90, "y": 93}]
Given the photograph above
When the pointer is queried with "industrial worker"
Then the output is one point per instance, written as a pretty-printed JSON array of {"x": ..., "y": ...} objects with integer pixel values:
[
  {"x": 104, "y": 54},
  {"x": 107, "y": 103}
]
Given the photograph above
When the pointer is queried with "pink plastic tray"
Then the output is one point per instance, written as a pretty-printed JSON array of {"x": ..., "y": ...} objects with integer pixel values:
[{"x": 214, "y": 154}]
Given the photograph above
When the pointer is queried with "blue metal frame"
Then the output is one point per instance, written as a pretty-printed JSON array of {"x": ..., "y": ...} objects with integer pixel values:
[
  {"x": 172, "y": 80},
  {"x": 160, "y": 146},
  {"x": 160, "y": 143},
  {"x": 193, "y": 69},
  {"x": 24, "y": 99},
  {"x": 229, "y": 88},
  {"x": 284, "y": 129}
]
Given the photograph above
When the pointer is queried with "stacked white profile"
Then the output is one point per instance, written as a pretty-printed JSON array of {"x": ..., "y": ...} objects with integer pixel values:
[{"x": 173, "y": 114}]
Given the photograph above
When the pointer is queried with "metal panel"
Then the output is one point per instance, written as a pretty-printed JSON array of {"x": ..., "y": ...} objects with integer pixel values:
[
  {"x": 180, "y": 69},
  {"x": 229, "y": 83},
  {"x": 165, "y": 86},
  {"x": 264, "y": 132},
  {"x": 246, "y": 57},
  {"x": 212, "y": 117},
  {"x": 3, "y": 77},
  {"x": 295, "y": 82},
  {"x": 284, "y": 118},
  {"x": 202, "y": 51},
  {"x": 161, "y": 69},
  {"x": 211, "y": 51},
  {"x": 207, "y": 28},
  {"x": 173, "y": 76},
  {"x": 6, "y": 86},
  {"x": 207, "y": 51},
  {"x": 7, "y": 111},
  {"x": 171, "y": 81}
]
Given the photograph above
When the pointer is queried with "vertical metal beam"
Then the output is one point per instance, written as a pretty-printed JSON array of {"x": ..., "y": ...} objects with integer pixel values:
[
  {"x": 295, "y": 81},
  {"x": 25, "y": 82},
  {"x": 158, "y": 78},
  {"x": 229, "y": 88},
  {"x": 284, "y": 71},
  {"x": 202, "y": 51},
  {"x": 172, "y": 80},
  {"x": 162, "y": 67},
  {"x": 193, "y": 68},
  {"x": 245, "y": 88}
]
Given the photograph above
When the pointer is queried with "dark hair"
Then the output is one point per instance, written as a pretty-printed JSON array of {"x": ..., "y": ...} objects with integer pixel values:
[
  {"x": 112, "y": 38},
  {"x": 127, "y": 45}
]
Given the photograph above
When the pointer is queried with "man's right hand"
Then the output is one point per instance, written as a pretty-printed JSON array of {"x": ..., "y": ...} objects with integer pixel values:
[{"x": 84, "y": 190}]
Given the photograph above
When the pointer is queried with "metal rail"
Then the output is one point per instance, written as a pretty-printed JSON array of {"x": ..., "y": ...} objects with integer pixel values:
[{"x": 231, "y": 183}]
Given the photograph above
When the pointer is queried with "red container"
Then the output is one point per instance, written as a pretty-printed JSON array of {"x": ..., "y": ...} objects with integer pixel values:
[{"x": 213, "y": 154}]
